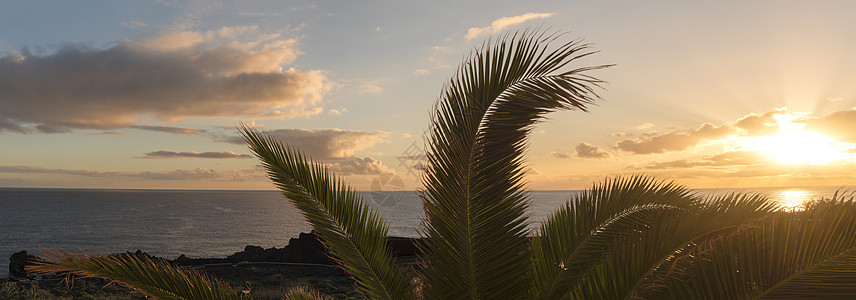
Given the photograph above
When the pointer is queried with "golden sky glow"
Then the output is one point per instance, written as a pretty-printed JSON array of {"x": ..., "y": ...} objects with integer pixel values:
[{"x": 146, "y": 94}]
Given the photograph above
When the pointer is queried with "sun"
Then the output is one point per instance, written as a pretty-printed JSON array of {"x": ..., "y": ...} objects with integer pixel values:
[
  {"x": 801, "y": 147},
  {"x": 795, "y": 145}
]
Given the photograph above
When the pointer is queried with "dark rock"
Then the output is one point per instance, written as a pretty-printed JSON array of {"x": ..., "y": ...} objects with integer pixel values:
[{"x": 18, "y": 262}]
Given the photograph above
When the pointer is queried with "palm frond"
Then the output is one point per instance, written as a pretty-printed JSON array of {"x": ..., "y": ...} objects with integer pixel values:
[
  {"x": 155, "y": 277},
  {"x": 475, "y": 203},
  {"x": 354, "y": 233},
  {"x": 798, "y": 255},
  {"x": 588, "y": 229},
  {"x": 304, "y": 293}
]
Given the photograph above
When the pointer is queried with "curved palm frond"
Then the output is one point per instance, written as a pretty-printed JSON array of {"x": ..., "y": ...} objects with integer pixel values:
[
  {"x": 798, "y": 255},
  {"x": 155, "y": 277},
  {"x": 304, "y": 293},
  {"x": 354, "y": 233},
  {"x": 589, "y": 228},
  {"x": 477, "y": 243}
]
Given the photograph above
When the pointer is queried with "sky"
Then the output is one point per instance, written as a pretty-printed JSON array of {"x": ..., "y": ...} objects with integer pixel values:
[{"x": 147, "y": 94}]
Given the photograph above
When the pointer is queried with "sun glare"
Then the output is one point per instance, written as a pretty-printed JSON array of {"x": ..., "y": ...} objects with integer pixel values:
[
  {"x": 793, "y": 145},
  {"x": 793, "y": 199},
  {"x": 801, "y": 147}
]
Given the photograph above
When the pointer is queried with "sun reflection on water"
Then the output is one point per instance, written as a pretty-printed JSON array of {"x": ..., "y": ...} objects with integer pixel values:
[{"x": 793, "y": 200}]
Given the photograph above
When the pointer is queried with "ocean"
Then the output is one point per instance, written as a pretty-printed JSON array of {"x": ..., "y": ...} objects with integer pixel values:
[{"x": 168, "y": 223}]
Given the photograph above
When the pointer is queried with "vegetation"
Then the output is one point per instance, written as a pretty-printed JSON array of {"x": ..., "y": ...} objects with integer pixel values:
[{"x": 625, "y": 238}]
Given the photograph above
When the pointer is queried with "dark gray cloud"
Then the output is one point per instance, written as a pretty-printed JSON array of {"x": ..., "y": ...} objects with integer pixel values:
[
  {"x": 192, "y": 154},
  {"x": 323, "y": 144},
  {"x": 170, "y": 77},
  {"x": 586, "y": 150},
  {"x": 673, "y": 141},
  {"x": 171, "y": 129},
  {"x": 109, "y": 133}
]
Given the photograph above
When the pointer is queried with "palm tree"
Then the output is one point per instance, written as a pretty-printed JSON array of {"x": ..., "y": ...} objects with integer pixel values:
[{"x": 625, "y": 238}]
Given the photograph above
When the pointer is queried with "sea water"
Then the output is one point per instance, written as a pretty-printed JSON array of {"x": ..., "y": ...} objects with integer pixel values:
[{"x": 168, "y": 223}]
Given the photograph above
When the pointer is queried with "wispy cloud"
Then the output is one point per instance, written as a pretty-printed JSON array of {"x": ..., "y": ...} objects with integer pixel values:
[
  {"x": 725, "y": 159},
  {"x": 502, "y": 23},
  {"x": 178, "y": 174},
  {"x": 171, "y": 129},
  {"x": 193, "y": 154},
  {"x": 109, "y": 133},
  {"x": 233, "y": 71},
  {"x": 42, "y": 170}
]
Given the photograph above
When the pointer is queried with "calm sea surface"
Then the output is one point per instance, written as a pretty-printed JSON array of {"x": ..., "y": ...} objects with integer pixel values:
[{"x": 169, "y": 223}]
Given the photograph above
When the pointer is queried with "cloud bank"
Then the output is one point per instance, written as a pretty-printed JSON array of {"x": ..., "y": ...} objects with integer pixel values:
[
  {"x": 169, "y": 77},
  {"x": 502, "y": 23}
]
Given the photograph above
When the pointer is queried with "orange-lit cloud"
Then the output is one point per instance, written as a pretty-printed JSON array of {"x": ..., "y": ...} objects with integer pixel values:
[
  {"x": 323, "y": 144},
  {"x": 725, "y": 159},
  {"x": 586, "y": 150},
  {"x": 169, "y": 77},
  {"x": 583, "y": 150},
  {"x": 840, "y": 125},
  {"x": 650, "y": 143},
  {"x": 502, "y": 23},
  {"x": 359, "y": 166}
]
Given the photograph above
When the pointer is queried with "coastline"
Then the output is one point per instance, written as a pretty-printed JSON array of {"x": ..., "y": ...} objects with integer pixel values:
[{"x": 266, "y": 273}]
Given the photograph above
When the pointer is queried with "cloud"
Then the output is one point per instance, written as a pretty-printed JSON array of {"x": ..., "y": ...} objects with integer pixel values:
[
  {"x": 586, "y": 150},
  {"x": 193, "y": 154},
  {"x": 204, "y": 174},
  {"x": 323, "y": 144},
  {"x": 368, "y": 89},
  {"x": 502, "y": 23},
  {"x": 109, "y": 133},
  {"x": 840, "y": 125},
  {"x": 761, "y": 125},
  {"x": 619, "y": 134},
  {"x": 359, "y": 166},
  {"x": 726, "y": 159},
  {"x": 421, "y": 72},
  {"x": 169, "y": 77},
  {"x": 336, "y": 111},
  {"x": 673, "y": 141},
  {"x": 171, "y": 129},
  {"x": 643, "y": 126},
  {"x": 557, "y": 154},
  {"x": 42, "y": 170},
  {"x": 178, "y": 174}
]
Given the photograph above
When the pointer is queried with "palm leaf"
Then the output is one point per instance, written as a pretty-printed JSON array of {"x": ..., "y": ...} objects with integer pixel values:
[
  {"x": 476, "y": 233},
  {"x": 304, "y": 293},
  {"x": 354, "y": 233},
  {"x": 808, "y": 254},
  {"x": 155, "y": 277},
  {"x": 587, "y": 229}
]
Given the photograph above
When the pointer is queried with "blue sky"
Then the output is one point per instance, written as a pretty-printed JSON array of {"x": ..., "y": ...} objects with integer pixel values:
[{"x": 146, "y": 94}]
